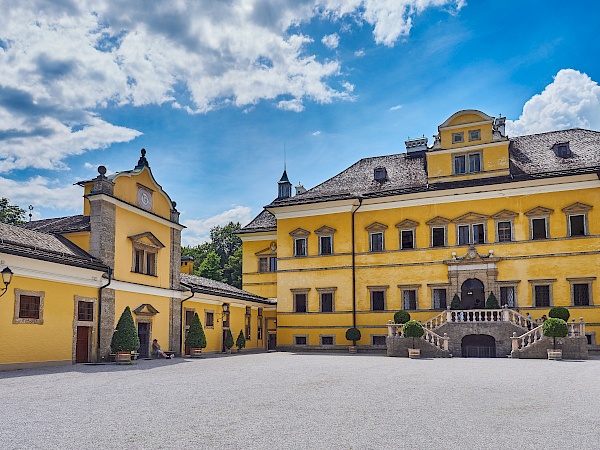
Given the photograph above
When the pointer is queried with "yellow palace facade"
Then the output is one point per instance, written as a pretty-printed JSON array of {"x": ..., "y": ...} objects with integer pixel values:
[
  {"x": 72, "y": 277},
  {"x": 475, "y": 213}
]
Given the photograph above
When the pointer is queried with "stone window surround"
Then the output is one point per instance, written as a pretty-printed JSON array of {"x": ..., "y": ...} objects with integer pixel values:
[
  {"x": 438, "y": 222},
  {"x": 377, "y": 335},
  {"x": 206, "y": 313},
  {"x": 325, "y": 231},
  {"x": 542, "y": 282},
  {"x": 505, "y": 216},
  {"x": 295, "y": 336},
  {"x": 577, "y": 209},
  {"x": 539, "y": 212},
  {"x": 467, "y": 162},
  {"x": 407, "y": 225},
  {"x": 304, "y": 291},
  {"x": 477, "y": 136},
  {"x": 145, "y": 319},
  {"x": 510, "y": 283},
  {"x": 444, "y": 286},
  {"x": 581, "y": 280},
  {"x": 299, "y": 234},
  {"x": 321, "y": 336},
  {"x": 409, "y": 287},
  {"x": 327, "y": 290},
  {"x": 146, "y": 248},
  {"x": 470, "y": 219},
  {"x": 16, "y": 318},
  {"x": 93, "y": 325},
  {"x": 458, "y": 138},
  {"x": 376, "y": 228},
  {"x": 379, "y": 288}
]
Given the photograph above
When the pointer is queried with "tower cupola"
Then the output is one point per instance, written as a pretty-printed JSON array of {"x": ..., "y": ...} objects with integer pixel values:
[{"x": 285, "y": 187}]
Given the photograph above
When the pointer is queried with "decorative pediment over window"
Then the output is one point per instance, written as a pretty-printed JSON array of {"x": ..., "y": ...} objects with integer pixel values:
[
  {"x": 505, "y": 214},
  {"x": 325, "y": 230},
  {"x": 145, "y": 309},
  {"x": 577, "y": 208},
  {"x": 438, "y": 221},
  {"x": 407, "y": 224},
  {"x": 300, "y": 232},
  {"x": 267, "y": 252},
  {"x": 539, "y": 211},
  {"x": 376, "y": 227},
  {"x": 147, "y": 239},
  {"x": 471, "y": 217}
]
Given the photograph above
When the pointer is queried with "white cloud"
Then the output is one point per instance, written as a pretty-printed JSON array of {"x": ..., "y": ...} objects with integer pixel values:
[
  {"x": 359, "y": 53},
  {"x": 572, "y": 100},
  {"x": 395, "y": 108},
  {"x": 43, "y": 192},
  {"x": 331, "y": 41},
  {"x": 348, "y": 86},
  {"x": 316, "y": 133},
  {"x": 198, "y": 230}
]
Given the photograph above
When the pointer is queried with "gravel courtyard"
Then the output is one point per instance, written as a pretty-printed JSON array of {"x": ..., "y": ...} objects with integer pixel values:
[{"x": 286, "y": 400}]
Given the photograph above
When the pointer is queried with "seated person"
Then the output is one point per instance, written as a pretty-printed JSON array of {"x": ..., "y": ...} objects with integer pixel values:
[{"x": 156, "y": 349}]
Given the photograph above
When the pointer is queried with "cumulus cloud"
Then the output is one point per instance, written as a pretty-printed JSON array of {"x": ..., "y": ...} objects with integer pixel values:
[
  {"x": 359, "y": 53},
  {"x": 198, "y": 230},
  {"x": 331, "y": 41},
  {"x": 41, "y": 191},
  {"x": 572, "y": 100}
]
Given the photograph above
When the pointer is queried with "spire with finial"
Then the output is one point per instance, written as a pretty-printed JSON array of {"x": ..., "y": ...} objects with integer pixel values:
[
  {"x": 284, "y": 185},
  {"x": 142, "y": 161}
]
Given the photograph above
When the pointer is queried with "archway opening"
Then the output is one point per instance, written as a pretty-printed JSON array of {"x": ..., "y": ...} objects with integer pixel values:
[
  {"x": 478, "y": 346},
  {"x": 472, "y": 294}
]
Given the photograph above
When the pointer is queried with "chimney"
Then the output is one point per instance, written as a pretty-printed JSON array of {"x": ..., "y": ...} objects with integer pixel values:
[
  {"x": 416, "y": 147},
  {"x": 300, "y": 189}
]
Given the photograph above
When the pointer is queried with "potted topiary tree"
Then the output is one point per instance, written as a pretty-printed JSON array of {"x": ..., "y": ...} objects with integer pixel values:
[
  {"x": 228, "y": 342},
  {"x": 560, "y": 312},
  {"x": 195, "y": 338},
  {"x": 352, "y": 334},
  {"x": 492, "y": 302},
  {"x": 240, "y": 343},
  {"x": 401, "y": 317},
  {"x": 125, "y": 338},
  {"x": 455, "y": 303},
  {"x": 413, "y": 329},
  {"x": 554, "y": 327}
]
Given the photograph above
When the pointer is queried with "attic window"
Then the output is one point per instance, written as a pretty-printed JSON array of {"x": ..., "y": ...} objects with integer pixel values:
[
  {"x": 380, "y": 174},
  {"x": 562, "y": 149}
]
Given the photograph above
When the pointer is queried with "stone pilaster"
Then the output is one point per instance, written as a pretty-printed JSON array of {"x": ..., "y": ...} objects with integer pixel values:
[
  {"x": 102, "y": 230},
  {"x": 175, "y": 325},
  {"x": 107, "y": 322}
]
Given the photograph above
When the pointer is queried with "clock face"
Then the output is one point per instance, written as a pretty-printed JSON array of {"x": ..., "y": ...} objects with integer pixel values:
[{"x": 144, "y": 199}]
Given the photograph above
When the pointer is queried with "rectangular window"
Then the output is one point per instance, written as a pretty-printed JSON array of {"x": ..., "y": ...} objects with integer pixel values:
[
  {"x": 85, "y": 311},
  {"x": 577, "y": 225},
  {"x": 439, "y": 299},
  {"x": 260, "y": 312},
  {"x": 263, "y": 264},
  {"x": 325, "y": 245},
  {"x": 376, "y": 242},
  {"x": 300, "y": 303},
  {"x": 409, "y": 299},
  {"x": 474, "y": 162},
  {"x": 378, "y": 340},
  {"x": 474, "y": 135},
  {"x": 407, "y": 239},
  {"x": 438, "y": 237},
  {"x": 300, "y": 247},
  {"x": 539, "y": 228},
  {"x": 377, "y": 301},
  {"x": 458, "y": 138},
  {"x": 29, "y": 307},
  {"x": 210, "y": 319},
  {"x": 150, "y": 264},
  {"x": 248, "y": 310},
  {"x": 189, "y": 315},
  {"x": 460, "y": 164},
  {"x": 542, "y": 295},
  {"x": 259, "y": 330},
  {"x": 504, "y": 231},
  {"x": 581, "y": 294},
  {"x": 272, "y": 264},
  {"x": 463, "y": 235},
  {"x": 327, "y": 340},
  {"x": 507, "y": 296},
  {"x": 139, "y": 261},
  {"x": 300, "y": 340},
  {"x": 327, "y": 302},
  {"x": 478, "y": 233}
]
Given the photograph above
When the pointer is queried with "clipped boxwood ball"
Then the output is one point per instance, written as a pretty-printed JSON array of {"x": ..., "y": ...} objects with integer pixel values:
[
  {"x": 401, "y": 317},
  {"x": 560, "y": 312}
]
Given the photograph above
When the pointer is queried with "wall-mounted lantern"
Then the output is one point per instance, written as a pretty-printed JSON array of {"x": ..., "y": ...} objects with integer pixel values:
[{"x": 6, "y": 279}]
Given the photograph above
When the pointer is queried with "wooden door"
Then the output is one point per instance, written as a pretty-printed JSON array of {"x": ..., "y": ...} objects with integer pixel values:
[
  {"x": 144, "y": 335},
  {"x": 189, "y": 315},
  {"x": 82, "y": 346},
  {"x": 272, "y": 342}
]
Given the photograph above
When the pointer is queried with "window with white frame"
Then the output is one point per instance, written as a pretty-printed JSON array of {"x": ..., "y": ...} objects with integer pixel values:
[
  {"x": 407, "y": 239},
  {"x": 467, "y": 163},
  {"x": 471, "y": 234},
  {"x": 539, "y": 224},
  {"x": 577, "y": 219},
  {"x": 300, "y": 237},
  {"x": 376, "y": 237}
]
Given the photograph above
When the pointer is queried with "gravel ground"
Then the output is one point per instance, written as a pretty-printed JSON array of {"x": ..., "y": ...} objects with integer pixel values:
[{"x": 286, "y": 400}]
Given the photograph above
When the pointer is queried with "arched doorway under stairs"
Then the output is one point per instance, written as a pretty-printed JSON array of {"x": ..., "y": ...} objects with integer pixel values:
[{"x": 478, "y": 346}]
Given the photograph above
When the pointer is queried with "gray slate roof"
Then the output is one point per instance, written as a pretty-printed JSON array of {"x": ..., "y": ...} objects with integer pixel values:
[
  {"x": 208, "y": 286},
  {"x": 34, "y": 244},
  {"x": 69, "y": 224},
  {"x": 265, "y": 221}
]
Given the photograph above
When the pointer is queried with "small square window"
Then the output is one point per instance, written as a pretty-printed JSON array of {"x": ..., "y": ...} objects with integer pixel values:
[
  {"x": 458, "y": 137},
  {"x": 407, "y": 240},
  {"x": 504, "y": 231},
  {"x": 377, "y": 301},
  {"x": 325, "y": 245},
  {"x": 300, "y": 247},
  {"x": 378, "y": 340},
  {"x": 577, "y": 225},
  {"x": 85, "y": 311},
  {"x": 327, "y": 340},
  {"x": 438, "y": 237},
  {"x": 539, "y": 230},
  {"x": 376, "y": 242},
  {"x": 380, "y": 174},
  {"x": 474, "y": 135},
  {"x": 460, "y": 164},
  {"x": 300, "y": 301},
  {"x": 300, "y": 340}
]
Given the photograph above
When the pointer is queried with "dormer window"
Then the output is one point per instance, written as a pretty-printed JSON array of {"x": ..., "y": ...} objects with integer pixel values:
[
  {"x": 380, "y": 174},
  {"x": 562, "y": 149},
  {"x": 474, "y": 135},
  {"x": 457, "y": 138}
]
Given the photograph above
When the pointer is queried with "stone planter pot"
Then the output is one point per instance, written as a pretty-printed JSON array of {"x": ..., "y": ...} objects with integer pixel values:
[
  {"x": 352, "y": 349},
  {"x": 123, "y": 358},
  {"x": 554, "y": 355},
  {"x": 195, "y": 352},
  {"x": 414, "y": 353},
  {"x": 228, "y": 351}
]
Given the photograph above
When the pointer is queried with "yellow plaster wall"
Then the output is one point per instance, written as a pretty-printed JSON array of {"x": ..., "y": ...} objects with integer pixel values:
[
  {"x": 263, "y": 284},
  {"x": 494, "y": 159},
  {"x": 126, "y": 188},
  {"x": 81, "y": 240}
]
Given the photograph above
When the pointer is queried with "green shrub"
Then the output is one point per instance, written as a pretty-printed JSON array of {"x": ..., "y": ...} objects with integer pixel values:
[
  {"x": 240, "y": 343},
  {"x": 492, "y": 302},
  {"x": 455, "y": 303},
  {"x": 195, "y": 337},
  {"x": 353, "y": 334},
  {"x": 125, "y": 338},
  {"x": 401, "y": 317},
  {"x": 555, "y": 327},
  {"x": 559, "y": 312},
  {"x": 413, "y": 329},
  {"x": 228, "y": 339}
]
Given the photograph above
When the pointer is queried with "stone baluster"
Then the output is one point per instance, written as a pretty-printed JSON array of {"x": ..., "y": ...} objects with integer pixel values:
[
  {"x": 446, "y": 339},
  {"x": 515, "y": 341}
]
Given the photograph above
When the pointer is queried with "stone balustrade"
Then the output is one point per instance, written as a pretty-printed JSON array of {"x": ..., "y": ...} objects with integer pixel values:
[
  {"x": 441, "y": 342},
  {"x": 576, "y": 329}
]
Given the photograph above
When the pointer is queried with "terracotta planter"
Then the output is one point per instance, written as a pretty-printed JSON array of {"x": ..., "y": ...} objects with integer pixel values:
[
  {"x": 195, "y": 352},
  {"x": 414, "y": 353},
  {"x": 352, "y": 349},
  {"x": 554, "y": 355},
  {"x": 123, "y": 358}
]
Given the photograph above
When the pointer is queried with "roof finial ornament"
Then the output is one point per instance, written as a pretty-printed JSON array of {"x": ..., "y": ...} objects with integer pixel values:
[{"x": 142, "y": 161}]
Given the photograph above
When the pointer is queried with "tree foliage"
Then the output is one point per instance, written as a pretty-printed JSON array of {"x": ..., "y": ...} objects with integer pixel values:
[
  {"x": 125, "y": 337},
  {"x": 211, "y": 267},
  {"x": 401, "y": 316},
  {"x": 240, "y": 343},
  {"x": 11, "y": 214},
  {"x": 455, "y": 304},
  {"x": 353, "y": 334},
  {"x": 195, "y": 337},
  {"x": 560, "y": 312},
  {"x": 492, "y": 302},
  {"x": 413, "y": 329},
  {"x": 228, "y": 339},
  {"x": 554, "y": 327}
]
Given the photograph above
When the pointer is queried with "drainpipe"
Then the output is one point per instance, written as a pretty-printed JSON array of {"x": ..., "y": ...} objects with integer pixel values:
[
  {"x": 354, "y": 266},
  {"x": 100, "y": 307},
  {"x": 181, "y": 317}
]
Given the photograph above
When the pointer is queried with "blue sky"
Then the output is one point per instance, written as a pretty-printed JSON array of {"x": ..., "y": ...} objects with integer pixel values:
[{"x": 215, "y": 90}]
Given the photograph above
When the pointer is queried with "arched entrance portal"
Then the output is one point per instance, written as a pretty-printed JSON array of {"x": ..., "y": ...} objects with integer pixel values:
[
  {"x": 478, "y": 346},
  {"x": 472, "y": 294}
]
